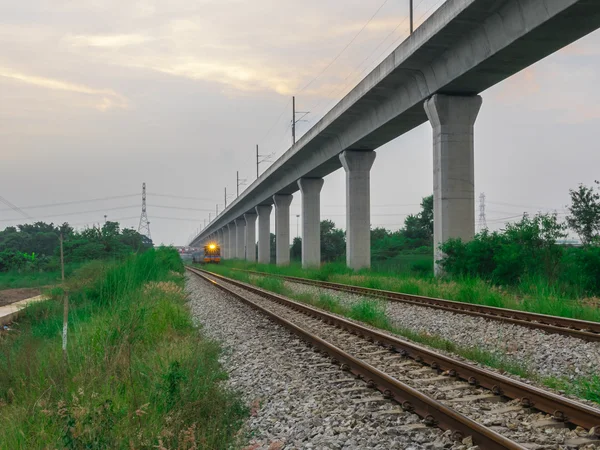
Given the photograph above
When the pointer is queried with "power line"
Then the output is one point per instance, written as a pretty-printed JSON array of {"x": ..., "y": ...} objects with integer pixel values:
[
  {"x": 181, "y": 197},
  {"x": 50, "y": 205},
  {"x": 74, "y": 213},
  {"x": 182, "y": 208},
  {"x": 14, "y": 208},
  {"x": 345, "y": 48}
]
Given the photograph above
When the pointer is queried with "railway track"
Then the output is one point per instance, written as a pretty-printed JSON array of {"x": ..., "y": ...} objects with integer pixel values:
[
  {"x": 445, "y": 392},
  {"x": 582, "y": 329}
]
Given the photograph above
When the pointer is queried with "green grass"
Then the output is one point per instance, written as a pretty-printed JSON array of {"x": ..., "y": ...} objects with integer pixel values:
[
  {"x": 12, "y": 280},
  {"x": 532, "y": 295},
  {"x": 372, "y": 312},
  {"x": 139, "y": 373}
]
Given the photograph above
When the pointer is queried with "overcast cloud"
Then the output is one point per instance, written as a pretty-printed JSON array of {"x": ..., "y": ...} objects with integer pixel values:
[{"x": 98, "y": 96}]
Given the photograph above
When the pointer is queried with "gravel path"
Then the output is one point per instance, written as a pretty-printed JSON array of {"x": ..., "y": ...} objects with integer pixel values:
[
  {"x": 298, "y": 398},
  {"x": 546, "y": 354}
]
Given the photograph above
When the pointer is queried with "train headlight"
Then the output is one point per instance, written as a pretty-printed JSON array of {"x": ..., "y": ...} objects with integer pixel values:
[{"x": 212, "y": 246}]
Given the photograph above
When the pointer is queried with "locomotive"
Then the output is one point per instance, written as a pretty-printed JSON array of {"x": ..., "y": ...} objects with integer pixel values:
[{"x": 211, "y": 253}]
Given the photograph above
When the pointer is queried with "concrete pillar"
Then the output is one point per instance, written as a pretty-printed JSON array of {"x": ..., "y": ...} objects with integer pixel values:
[
  {"x": 231, "y": 240},
  {"x": 264, "y": 233},
  {"x": 250, "y": 236},
  {"x": 282, "y": 228},
  {"x": 452, "y": 119},
  {"x": 311, "y": 221},
  {"x": 357, "y": 165},
  {"x": 240, "y": 238},
  {"x": 224, "y": 233},
  {"x": 221, "y": 233}
]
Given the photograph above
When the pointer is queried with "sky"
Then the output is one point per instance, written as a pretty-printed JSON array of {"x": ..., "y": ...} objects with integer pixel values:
[{"x": 100, "y": 96}]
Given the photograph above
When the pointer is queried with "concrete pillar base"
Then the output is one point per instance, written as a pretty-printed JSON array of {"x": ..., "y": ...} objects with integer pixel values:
[{"x": 452, "y": 119}]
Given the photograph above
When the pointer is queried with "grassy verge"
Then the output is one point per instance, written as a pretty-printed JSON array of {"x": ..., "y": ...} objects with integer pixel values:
[
  {"x": 139, "y": 374},
  {"x": 533, "y": 296},
  {"x": 13, "y": 280},
  {"x": 372, "y": 312}
]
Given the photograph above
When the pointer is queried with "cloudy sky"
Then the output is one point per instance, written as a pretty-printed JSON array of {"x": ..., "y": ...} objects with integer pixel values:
[{"x": 98, "y": 96}]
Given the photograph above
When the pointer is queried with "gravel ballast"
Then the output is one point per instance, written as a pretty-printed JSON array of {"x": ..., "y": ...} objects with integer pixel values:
[
  {"x": 546, "y": 354},
  {"x": 298, "y": 399}
]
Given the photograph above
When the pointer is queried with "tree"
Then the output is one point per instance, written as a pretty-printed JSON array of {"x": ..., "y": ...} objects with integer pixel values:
[
  {"x": 296, "y": 249},
  {"x": 333, "y": 242},
  {"x": 419, "y": 228},
  {"x": 585, "y": 214}
]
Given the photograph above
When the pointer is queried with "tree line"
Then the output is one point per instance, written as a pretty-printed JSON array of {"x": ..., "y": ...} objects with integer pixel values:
[
  {"x": 530, "y": 250},
  {"x": 37, "y": 246}
]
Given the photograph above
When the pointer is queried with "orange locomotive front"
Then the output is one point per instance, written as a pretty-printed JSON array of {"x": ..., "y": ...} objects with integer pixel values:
[{"x": 212, "y": 253}]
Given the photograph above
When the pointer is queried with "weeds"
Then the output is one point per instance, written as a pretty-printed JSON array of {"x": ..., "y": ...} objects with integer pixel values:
[{"x": 139, "y": 375}]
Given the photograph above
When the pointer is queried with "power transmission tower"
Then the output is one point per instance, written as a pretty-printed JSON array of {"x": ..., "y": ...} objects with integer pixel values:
[
  {"x": 144, "y": 226},
  {"x": 240, "y": 182},
  {"x": 294, "y": 121},
  {"x": 482, "y": 221}
]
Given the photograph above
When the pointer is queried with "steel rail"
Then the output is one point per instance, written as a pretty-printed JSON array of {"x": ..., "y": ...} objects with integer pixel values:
[
  {"x": 582, "y": 329},
  {"x": 434, "y": 412},
  {"x": 561, "y": 408}
]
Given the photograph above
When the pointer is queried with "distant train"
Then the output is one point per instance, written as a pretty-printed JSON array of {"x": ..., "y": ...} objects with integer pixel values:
[{"x": 210, "y": 254}]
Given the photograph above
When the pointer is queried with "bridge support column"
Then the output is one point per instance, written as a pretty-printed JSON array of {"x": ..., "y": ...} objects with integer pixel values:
[
  {"x": 264, "y": 233},
  {"x": 250, "y": 236},
  {"x": 452, "y": 119},
  {"x": 225, "y": 234},
  {"x": 311, "y": 221},
  {"x": 231, "y": 240},
  {"x": 282, "y": 228},
  {"x": 240, "y": 238},
  {"x": 357, "y": 165}
]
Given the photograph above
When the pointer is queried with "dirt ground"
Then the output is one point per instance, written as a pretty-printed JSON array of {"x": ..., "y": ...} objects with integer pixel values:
[{"x": 9, "y": 296}]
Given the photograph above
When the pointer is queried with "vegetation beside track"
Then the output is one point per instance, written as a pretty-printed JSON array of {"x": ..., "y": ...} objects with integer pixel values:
[
  {"x": 373, "y": 313},
  {"x": 536, "y": 298},
  {"x": 139, "y": 373}
]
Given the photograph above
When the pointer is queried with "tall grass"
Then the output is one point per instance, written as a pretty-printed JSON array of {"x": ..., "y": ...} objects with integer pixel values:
[
  {"x": 16, "y": 279},
  {"x": 139, "y": 374}
]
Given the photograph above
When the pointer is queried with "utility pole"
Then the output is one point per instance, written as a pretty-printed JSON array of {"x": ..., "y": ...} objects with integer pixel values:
[
  {"x": 209, "y": 217},
  {"x": 217, "y": 208},
  {"x": 240, "y": 182},
  {"x": 65, "y": 303},
  {"x": 294, "y": 121},
  {"x": 105, "y": 218},
  {"x": 265, "y": 158},
  {"x": 297, "y": 225},
  {"x": 411, "y": 16}
]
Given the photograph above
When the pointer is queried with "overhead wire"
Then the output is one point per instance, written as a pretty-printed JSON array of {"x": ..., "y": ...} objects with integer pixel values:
[
  {"x": 74, "y": 202},
  {"x": 14, "y": 208}
]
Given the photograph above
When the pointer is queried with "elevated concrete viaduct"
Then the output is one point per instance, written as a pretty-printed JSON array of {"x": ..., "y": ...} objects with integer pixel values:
[{"x": 436, "y": 74}]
